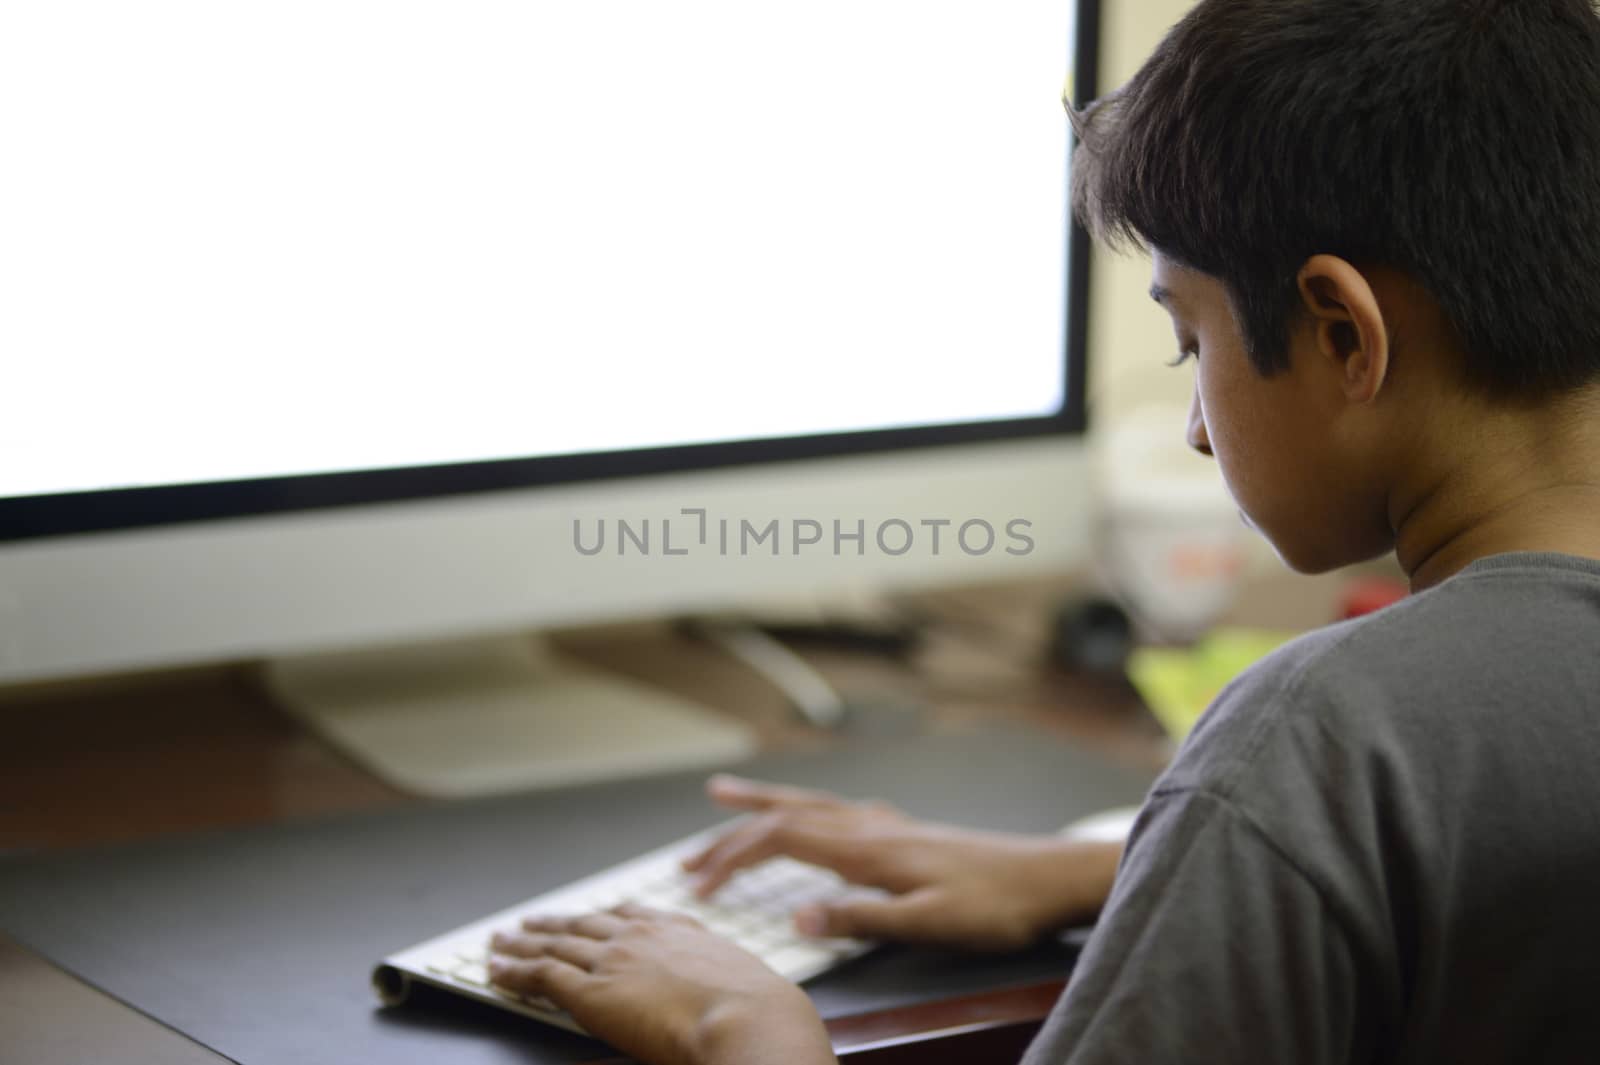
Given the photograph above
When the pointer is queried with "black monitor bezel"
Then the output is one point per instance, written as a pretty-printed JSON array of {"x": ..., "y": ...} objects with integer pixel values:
[{"x": 71, "y": 513}]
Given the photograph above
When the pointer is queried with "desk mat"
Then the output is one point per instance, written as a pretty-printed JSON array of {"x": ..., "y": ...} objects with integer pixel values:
[{"x": 258, "y": 943}]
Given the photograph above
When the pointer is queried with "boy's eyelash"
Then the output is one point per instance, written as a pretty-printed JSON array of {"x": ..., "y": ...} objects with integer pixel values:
[{"x": 1181, "y": 358}]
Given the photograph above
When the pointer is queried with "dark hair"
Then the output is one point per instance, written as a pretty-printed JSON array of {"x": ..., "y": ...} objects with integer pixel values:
[{"x": 1455, "y": 140}]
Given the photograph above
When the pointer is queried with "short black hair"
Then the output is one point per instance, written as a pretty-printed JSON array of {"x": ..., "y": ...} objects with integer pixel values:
[{"x": 1455, "y": 140}]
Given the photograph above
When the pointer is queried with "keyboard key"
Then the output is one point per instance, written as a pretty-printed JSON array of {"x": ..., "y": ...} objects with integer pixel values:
[{"x": 474, "y": 974}]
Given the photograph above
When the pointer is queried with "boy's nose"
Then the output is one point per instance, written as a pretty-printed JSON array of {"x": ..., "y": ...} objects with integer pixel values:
[{"x": 1196, "y": 435}]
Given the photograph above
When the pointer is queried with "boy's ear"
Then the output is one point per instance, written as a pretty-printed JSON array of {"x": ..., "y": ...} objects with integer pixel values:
[{"x": 1348, "y": 323}]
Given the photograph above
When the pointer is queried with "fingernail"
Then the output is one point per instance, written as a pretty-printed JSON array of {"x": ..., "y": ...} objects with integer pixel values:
[
  {"x": 498, "y": 940},
  {"x": 811, "y": 921},
  {"x": 497, "y": 968}
]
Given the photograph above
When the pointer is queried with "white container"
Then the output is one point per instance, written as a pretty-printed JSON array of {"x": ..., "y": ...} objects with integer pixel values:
[{"x": 1170, "y": 543}]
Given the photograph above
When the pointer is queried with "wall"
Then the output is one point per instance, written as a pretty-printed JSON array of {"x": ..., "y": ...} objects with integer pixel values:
[{"x": 1130, "y": 339}]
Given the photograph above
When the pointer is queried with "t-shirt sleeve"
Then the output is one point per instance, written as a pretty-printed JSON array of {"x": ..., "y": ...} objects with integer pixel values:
[{"x": 1213, "y": 947}]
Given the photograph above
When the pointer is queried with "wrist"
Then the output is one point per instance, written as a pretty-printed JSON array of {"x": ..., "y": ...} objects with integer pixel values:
[
  {"x": 777, "y": 1027},
  {"x": 1079, "y": 873}
]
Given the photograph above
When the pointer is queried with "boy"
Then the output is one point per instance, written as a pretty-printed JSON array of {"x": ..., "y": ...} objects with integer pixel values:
[{"x": 1376, "y": 227}]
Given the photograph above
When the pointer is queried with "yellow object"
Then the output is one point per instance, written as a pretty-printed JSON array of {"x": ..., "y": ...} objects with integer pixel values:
[{"x": 1178, "y": 684}]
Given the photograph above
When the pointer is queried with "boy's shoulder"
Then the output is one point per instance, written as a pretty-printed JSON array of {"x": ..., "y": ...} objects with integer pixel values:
[
  {"x": 1367, "y": 833},
  {"x": 1452, "y": 731},
  {"x": 1511, "y": 642}
]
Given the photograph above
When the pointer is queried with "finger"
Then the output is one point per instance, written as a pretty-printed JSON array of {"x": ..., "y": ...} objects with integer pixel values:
[
  {"x": 699, "y": 858},
  {"x": 762, "y": 798},
  {"x": 754, "y": 841},
  {"x": 742, "y": 793},
  {"x": 546, "y": 977},
  {"x": 633, "y": 911},
  {"x": 829, "y": 838},
  {"x": 917, "y": 917},
  {"x": 592, "y": 925},
  {"x": 574, "y": 950},
  {"x": 735, "y": 838}
]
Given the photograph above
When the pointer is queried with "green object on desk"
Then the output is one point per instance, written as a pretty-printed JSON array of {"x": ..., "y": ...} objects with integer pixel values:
[{"x": 1179, "y": 683}]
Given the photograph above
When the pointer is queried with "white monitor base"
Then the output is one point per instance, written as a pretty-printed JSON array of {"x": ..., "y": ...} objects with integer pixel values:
[{"x": 482, "y": 717}]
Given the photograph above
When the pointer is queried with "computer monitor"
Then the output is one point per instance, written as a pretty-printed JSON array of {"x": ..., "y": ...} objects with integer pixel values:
[{"x": 341, "y": 327}]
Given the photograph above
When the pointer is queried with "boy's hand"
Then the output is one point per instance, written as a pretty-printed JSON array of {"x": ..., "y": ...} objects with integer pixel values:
[
  {"x": 953, "y": 886},
  {"x": 662, "y": 989}
]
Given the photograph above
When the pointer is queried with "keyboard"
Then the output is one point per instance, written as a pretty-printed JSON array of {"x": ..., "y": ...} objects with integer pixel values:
[{"x": 755, "y": 909}]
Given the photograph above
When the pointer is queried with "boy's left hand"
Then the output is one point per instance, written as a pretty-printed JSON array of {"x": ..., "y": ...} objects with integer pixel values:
[{"x": 662, "y": 989}]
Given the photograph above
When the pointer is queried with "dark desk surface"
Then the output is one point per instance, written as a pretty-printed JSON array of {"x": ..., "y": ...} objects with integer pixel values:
[{"x": 134, "y": 758}]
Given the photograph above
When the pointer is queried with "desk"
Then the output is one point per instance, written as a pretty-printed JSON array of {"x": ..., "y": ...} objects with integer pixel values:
[{"x": 124, "y": 761}]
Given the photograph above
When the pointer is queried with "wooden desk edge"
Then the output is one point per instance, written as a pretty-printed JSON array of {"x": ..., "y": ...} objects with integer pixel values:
[{"x": 945, "y": 1018}]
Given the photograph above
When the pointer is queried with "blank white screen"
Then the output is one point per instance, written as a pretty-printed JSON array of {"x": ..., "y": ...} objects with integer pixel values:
[{"x": 250, "y": 239}]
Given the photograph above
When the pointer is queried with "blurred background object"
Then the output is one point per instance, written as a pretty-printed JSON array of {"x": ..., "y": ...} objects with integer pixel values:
[{"x": 1170, "y": 544}]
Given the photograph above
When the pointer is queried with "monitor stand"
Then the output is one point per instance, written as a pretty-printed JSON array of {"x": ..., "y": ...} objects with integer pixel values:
[{"x": 481, "y": 717}]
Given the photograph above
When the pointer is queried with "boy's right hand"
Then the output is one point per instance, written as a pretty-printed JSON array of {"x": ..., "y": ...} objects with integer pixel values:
[{"x": 948, "y": 885}]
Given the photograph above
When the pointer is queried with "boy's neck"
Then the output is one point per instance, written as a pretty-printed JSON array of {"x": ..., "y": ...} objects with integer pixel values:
[
  {"x": 1527, "y": 480},
  {"x": 1564, "y": 519}
]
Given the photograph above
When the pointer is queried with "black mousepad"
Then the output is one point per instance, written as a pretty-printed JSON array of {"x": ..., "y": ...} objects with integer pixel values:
[{"x": 259, "y": 943}]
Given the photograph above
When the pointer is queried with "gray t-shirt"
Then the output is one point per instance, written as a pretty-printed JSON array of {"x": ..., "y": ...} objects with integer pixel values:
[{"x": 1381, "y": 844}]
